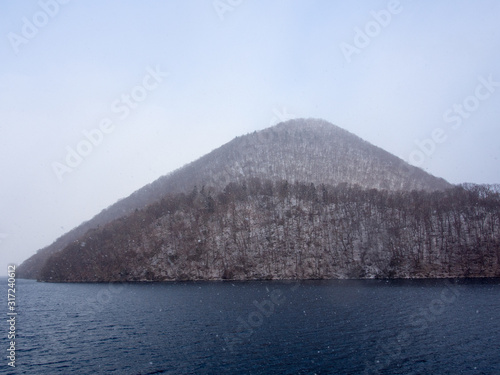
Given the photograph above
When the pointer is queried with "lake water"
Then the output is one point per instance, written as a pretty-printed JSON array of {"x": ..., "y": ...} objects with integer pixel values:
[{"x": 271, "y": 327}]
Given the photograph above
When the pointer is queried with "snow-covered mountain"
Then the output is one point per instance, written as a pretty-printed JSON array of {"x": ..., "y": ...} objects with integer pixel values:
[{"x": 302, "y": 150}]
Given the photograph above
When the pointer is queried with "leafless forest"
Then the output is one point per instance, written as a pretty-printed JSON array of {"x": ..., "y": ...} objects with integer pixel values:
[
  {"x": 268, "y": 230},
  {"x": 302, "y": 199}
]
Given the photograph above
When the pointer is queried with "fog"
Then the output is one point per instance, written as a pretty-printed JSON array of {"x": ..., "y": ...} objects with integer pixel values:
[{"x": 98, "y": 99}]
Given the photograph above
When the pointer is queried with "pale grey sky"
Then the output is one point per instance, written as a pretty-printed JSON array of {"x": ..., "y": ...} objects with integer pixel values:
[{"x": 98, "y": 98}]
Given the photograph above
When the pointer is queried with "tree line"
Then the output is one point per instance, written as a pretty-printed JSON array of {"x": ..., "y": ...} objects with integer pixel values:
[{"x": 263, "y": 229}]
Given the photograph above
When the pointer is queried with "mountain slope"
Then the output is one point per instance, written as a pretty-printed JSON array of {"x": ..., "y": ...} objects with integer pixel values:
[
  {"x": 302, "y": 150},
  {"x": 264, "y": 230}
]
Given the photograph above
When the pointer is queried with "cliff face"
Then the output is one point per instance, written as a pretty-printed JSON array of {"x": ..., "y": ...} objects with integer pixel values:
[
  {"x": 276, "y": 230},
  {"x": 303, "y": 150}
]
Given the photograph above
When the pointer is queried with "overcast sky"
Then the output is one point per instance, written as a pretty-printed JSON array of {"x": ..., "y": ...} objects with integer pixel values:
[{"x": 99, "y": 98}]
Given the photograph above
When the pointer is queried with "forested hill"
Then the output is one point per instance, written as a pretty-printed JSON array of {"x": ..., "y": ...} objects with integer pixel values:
[
  {"x": 305, "y": 151},
  {"x": 275, "y": 230},
  {"x": 302, "y": 150}
]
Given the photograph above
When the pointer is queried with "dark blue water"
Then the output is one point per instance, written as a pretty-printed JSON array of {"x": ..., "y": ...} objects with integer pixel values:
[{"x": 313, "y": 327}]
